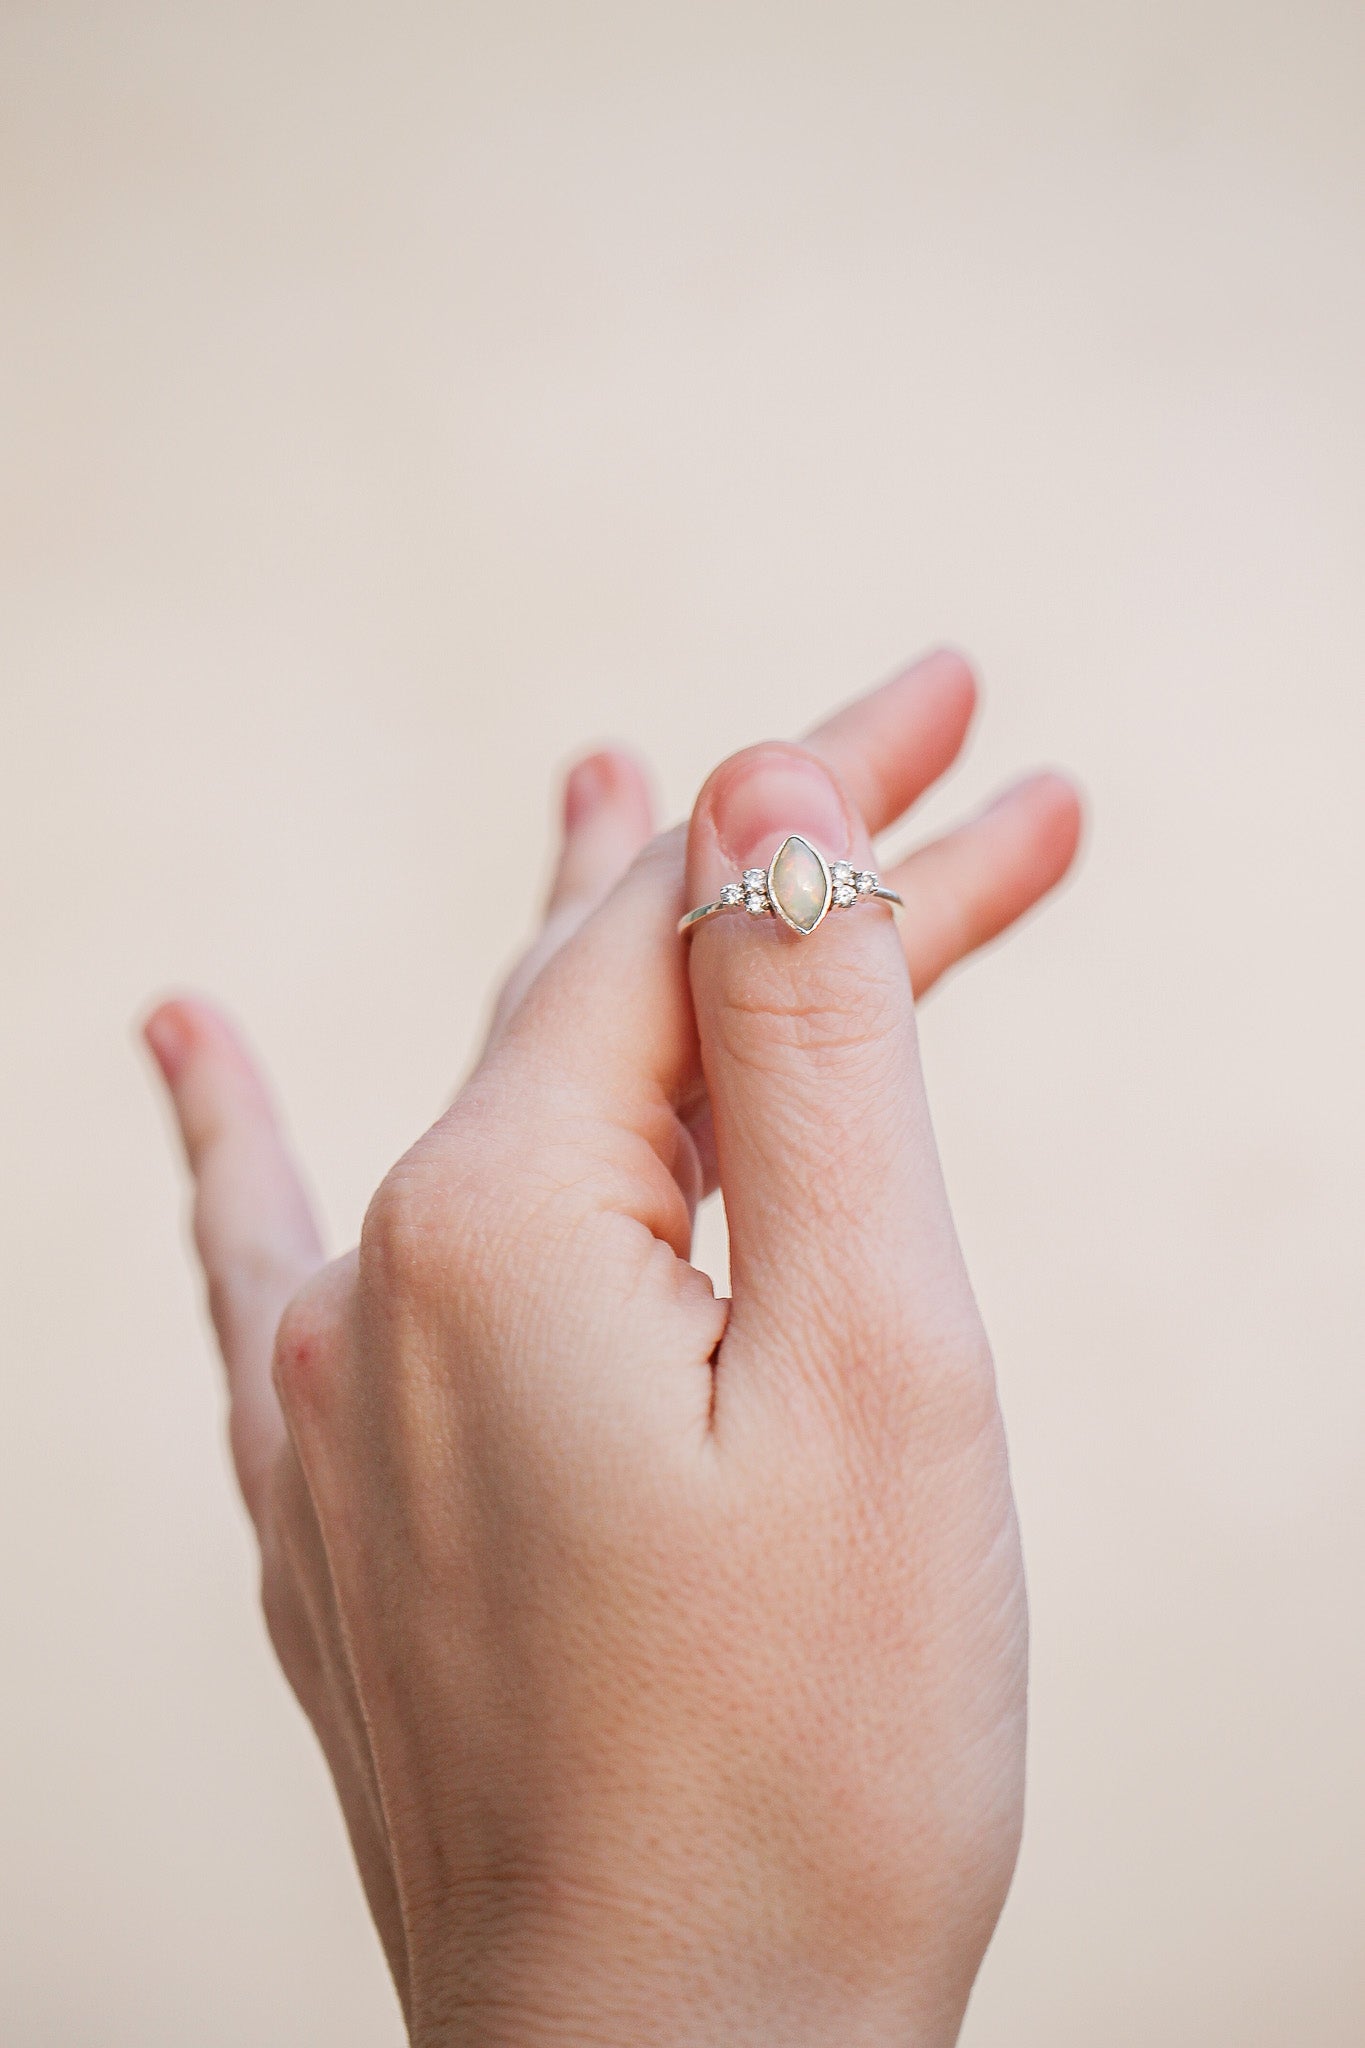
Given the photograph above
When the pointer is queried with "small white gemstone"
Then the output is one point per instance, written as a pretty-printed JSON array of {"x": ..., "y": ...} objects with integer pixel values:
[
  {"x": 755, "y": 878},
  {"x": 844, "y": 894},
  {"x": 755, "y": 903},
  {"x": 732, "y": 893},
  {"x": 867, "y": 882},
  {"x": 840, "y": 871}
]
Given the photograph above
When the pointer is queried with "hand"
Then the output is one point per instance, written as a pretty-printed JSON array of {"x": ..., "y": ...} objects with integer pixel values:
[{"x": 668, "y": 1653}]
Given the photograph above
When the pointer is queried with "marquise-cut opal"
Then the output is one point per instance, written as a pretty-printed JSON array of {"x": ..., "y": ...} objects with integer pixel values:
[{"x": 798, "y": 884}]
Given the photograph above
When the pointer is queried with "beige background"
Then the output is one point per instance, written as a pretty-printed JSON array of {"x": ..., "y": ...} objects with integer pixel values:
[{"x": 396, "y": 397}]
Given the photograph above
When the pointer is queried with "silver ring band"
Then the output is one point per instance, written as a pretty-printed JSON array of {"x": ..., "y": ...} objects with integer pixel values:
[{"x": 798, "y": 886}]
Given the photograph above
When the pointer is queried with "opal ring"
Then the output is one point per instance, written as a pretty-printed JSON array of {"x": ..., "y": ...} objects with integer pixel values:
[{"x": 798, "y": 885}]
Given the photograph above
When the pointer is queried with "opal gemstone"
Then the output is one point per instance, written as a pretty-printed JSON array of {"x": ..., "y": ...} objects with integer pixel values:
[{"x": 798, "y": 883}]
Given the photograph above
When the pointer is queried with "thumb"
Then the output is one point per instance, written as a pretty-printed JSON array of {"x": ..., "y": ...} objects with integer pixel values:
[{"x": 843, "y": 1257}]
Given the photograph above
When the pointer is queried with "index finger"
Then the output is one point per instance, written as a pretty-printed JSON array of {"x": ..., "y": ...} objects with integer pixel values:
[{"x": 891, "y": 744}]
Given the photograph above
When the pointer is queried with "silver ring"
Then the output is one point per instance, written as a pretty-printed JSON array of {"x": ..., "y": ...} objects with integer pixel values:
[{"x": 799, "y": 886}]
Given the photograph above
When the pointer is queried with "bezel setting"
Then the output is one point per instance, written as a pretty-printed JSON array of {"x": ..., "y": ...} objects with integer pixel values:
[{"x": 802, "y": 930}]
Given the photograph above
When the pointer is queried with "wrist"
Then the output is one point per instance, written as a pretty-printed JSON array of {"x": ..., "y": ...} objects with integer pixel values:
[{"x": 555, "y": 1994}]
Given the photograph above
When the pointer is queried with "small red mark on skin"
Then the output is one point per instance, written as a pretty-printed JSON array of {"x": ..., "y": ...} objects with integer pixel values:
[
  {"x": 300, "y": 1349},
  {"x": 301, "y": 1352}
]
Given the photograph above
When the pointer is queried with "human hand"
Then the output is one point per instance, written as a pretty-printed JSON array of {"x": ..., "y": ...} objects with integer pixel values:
[{"x": 668, "y": 1654}]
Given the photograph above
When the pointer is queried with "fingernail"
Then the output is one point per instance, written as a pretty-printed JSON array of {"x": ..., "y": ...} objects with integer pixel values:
[
  {"x": 767, "y": 795},
  {"x": 168, "y": 1040},
  {"x": 588, "y": 786}
]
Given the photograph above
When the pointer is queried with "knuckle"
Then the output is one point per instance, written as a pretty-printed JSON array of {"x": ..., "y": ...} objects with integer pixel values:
[
  {"x": 939, "y": 1407},
  {"x": 305, "y": 1344},
  {"x": 421, "y": 1237},
  {"x": 403, "y": 1236},
  {"x": 831, "y": 1009},
  {"x": 924, "y": 1398}
]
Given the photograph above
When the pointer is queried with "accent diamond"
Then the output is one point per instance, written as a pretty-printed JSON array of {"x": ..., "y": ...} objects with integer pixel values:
[
  {"x": 732, "y": 893},
  {"x": 867, "y": 882}
]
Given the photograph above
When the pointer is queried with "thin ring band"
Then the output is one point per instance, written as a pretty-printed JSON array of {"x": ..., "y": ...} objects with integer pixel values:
[{"x": 799, "y": 887}]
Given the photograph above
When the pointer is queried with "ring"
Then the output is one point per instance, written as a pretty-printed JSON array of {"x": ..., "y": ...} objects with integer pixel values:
[{"x": 799, "y": 885}]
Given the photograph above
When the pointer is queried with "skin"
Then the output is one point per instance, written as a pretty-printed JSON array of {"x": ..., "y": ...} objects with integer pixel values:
[{"x": 668, "y": 1653}]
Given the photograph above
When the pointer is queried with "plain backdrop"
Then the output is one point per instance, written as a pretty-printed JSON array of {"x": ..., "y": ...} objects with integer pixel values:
[{"x": 397, "y": 398}]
